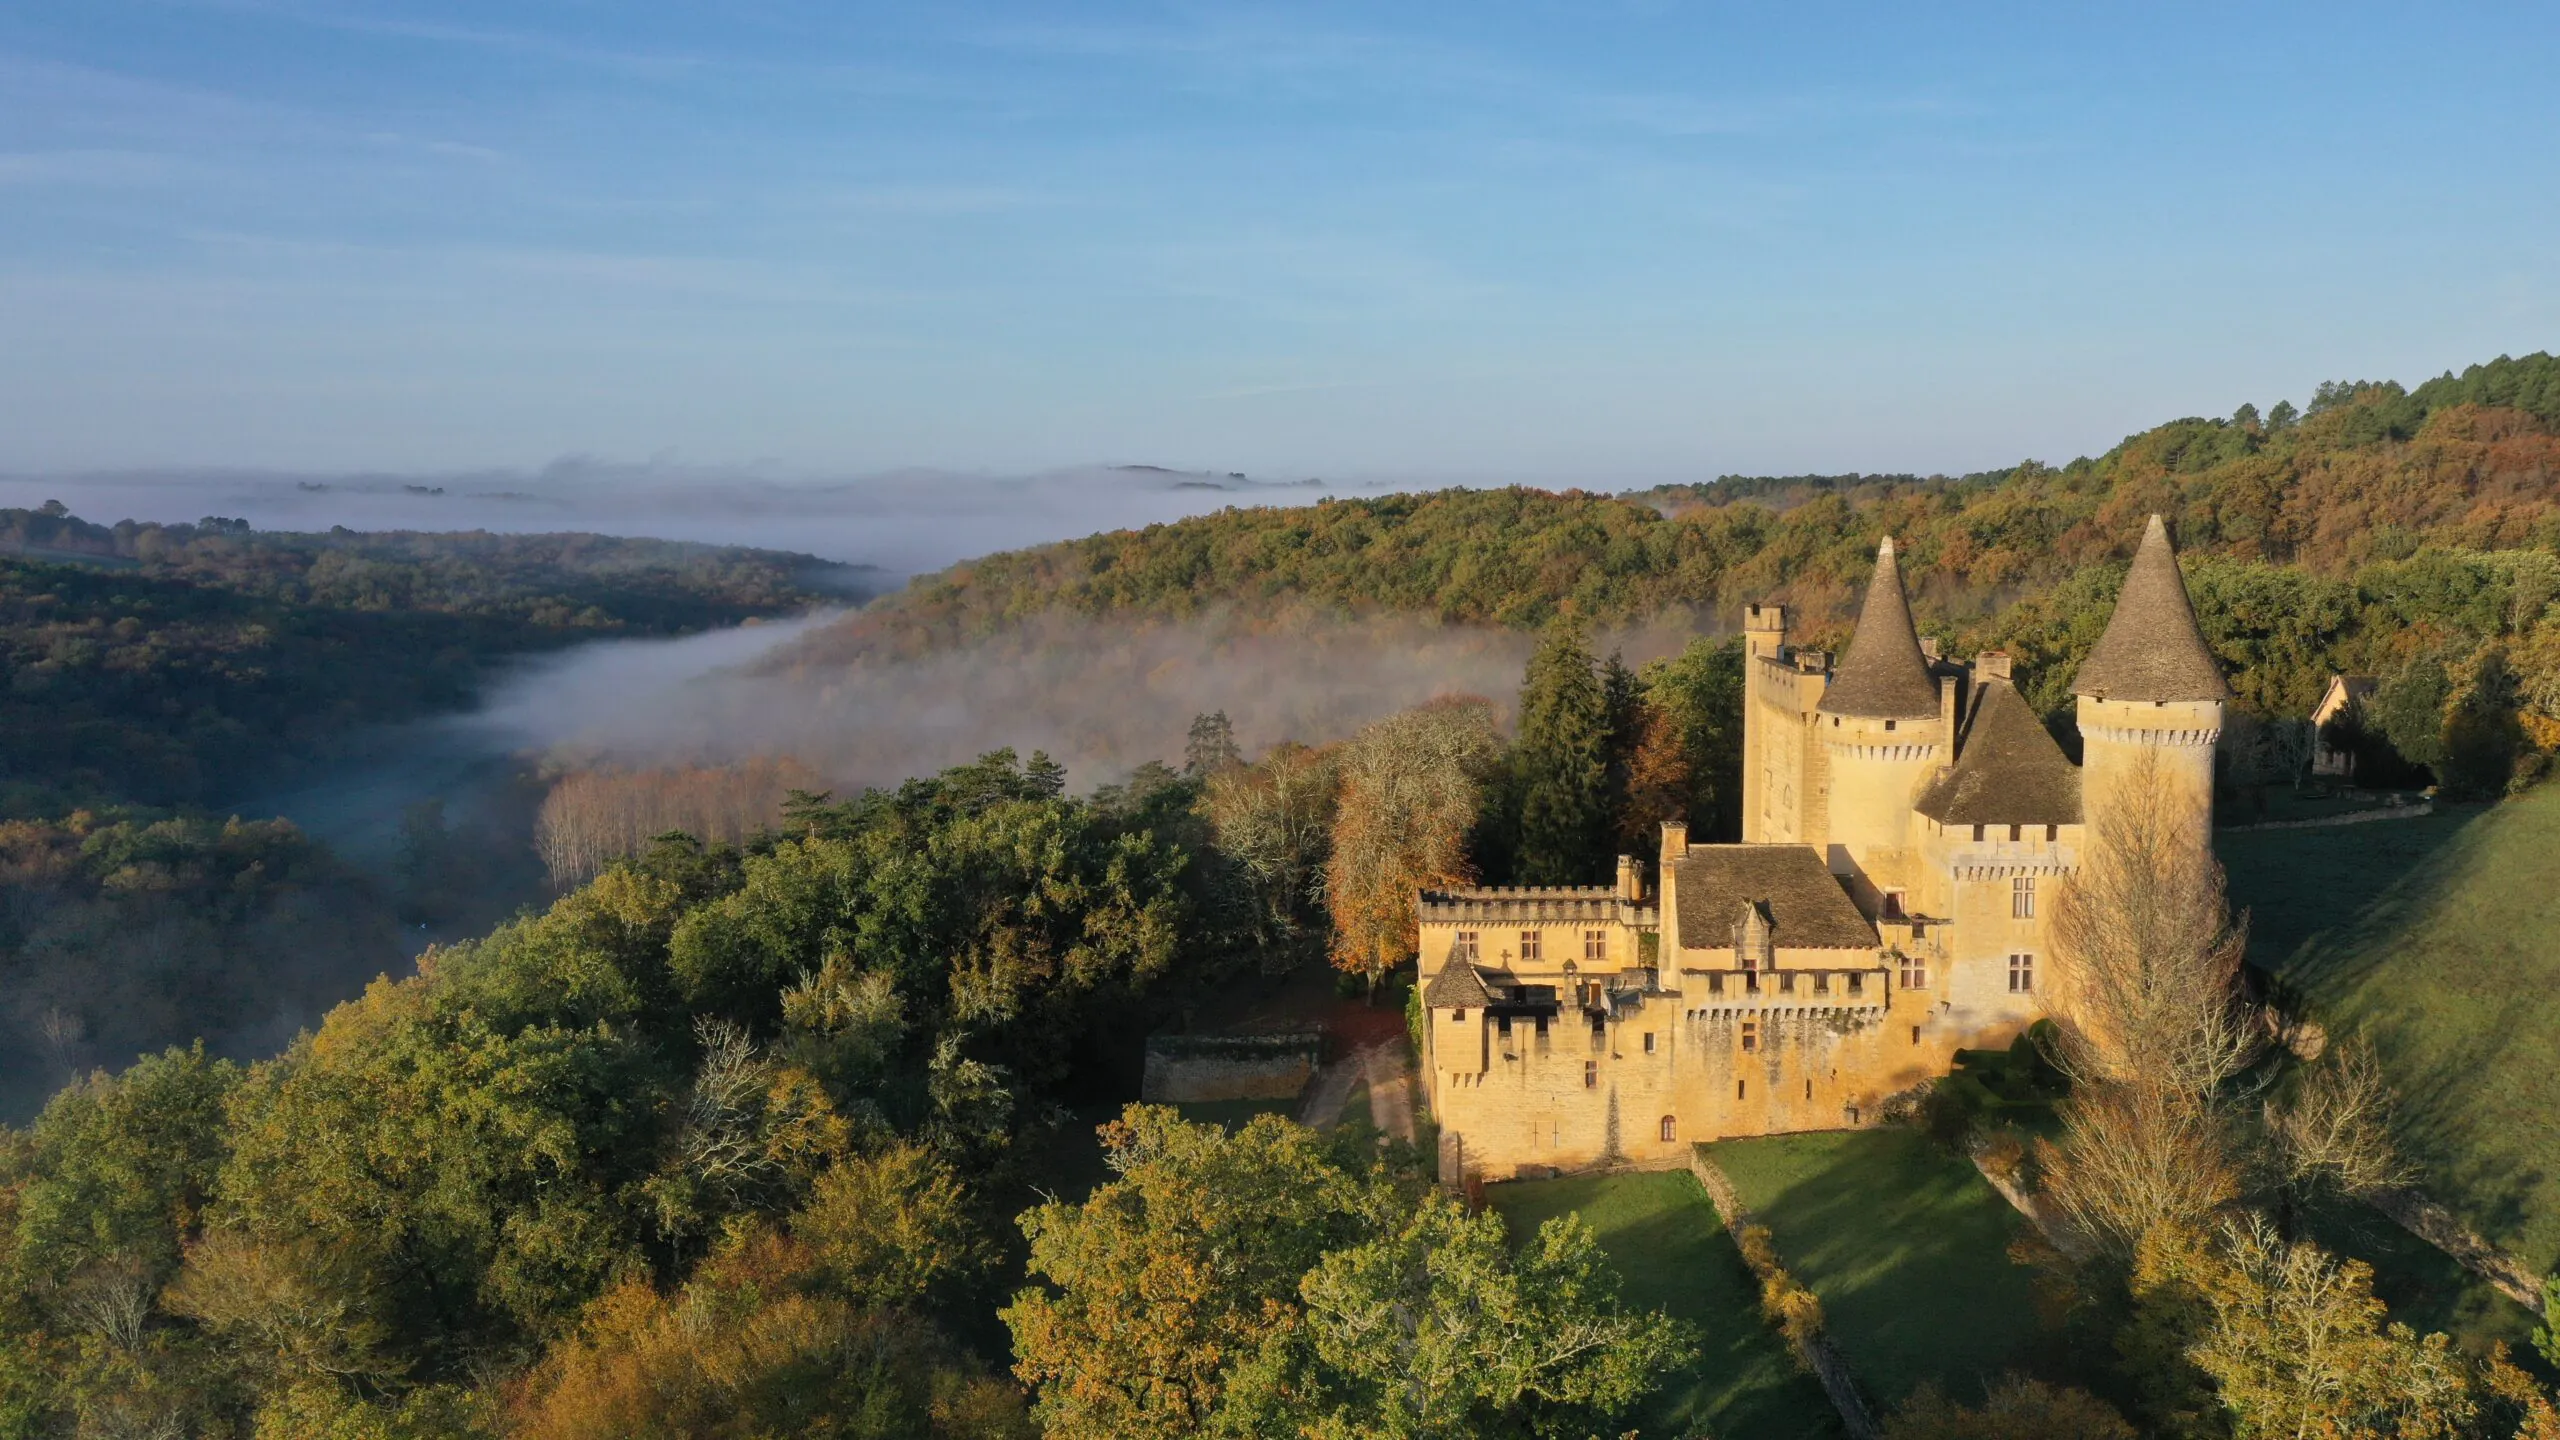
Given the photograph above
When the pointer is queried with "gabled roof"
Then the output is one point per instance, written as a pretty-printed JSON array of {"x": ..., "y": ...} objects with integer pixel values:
[
  {"x": 1883, "y": 676},
  {"x": 1456, "y": 987},
  {"x": 1803, "y": 901},
  {"x": 2152, "y": 648},
  {"x": 2008, "y": 771}
]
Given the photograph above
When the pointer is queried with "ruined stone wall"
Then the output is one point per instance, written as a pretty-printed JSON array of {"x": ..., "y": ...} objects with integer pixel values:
[{"x": 1220, "y": 1067}]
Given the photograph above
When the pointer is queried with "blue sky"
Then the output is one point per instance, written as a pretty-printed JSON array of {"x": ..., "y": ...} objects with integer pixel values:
[{"x": 1594, "y": 242}]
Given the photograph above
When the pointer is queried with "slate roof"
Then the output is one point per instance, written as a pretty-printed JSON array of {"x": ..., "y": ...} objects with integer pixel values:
[
  {"x": 1883, "y": 676},
  {"x": 2008, "y": 770},
  {"x": 1806, "y": 907},
  {"x": 1456, "y": 987},
  {"x": 2152, "y": 649}
]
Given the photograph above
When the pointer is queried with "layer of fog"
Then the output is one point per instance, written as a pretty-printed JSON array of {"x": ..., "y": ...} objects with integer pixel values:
[
  {"x": 904, "y": 522},
  {"x": 1101, "y": 698}
]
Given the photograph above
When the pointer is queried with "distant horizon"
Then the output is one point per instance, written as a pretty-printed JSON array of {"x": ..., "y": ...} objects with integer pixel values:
[{"x": 1612, "y": 246}]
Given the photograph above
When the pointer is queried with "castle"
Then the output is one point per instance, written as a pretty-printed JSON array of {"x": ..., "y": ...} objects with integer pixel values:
[{"x": 1906, "y": 822}]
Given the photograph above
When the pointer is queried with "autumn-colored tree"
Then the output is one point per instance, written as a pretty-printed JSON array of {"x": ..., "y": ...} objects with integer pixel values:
[
  {"x": 1180, "y": 1266},
  {"x": 755, "y": 1345},
  {"x": 1409, "y": 793},
  {"x": 2298, "y": 1346},
  {"x": 2016, "y": 1408},
  {"x": 1688, "y": 757}
]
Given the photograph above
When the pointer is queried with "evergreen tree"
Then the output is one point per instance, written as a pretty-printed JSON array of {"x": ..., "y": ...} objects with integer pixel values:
[
  {"x": 1698, "y": 695},
  {"x": 1622, "y": 706},
  {"x": 1563, "y": 761},
  {"x": 1212, "y": 746}
]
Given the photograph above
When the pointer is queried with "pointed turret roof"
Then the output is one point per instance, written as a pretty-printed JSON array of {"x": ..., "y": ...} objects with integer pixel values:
[
  {"x": 1456, "y": 987},
  {"x": 2152, "y": 649},
  {"x": 1884, "y": 676},
  {"x": 2008, "y": 770}
]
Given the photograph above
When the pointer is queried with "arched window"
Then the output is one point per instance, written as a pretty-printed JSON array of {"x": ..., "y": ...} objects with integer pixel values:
[{"x": 1670, "y": 1129}]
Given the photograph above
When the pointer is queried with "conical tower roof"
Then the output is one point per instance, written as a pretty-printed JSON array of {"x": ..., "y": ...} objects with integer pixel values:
[
  {"x": 1884, "y": 676},
  {"x": 2153, "y": 649}
]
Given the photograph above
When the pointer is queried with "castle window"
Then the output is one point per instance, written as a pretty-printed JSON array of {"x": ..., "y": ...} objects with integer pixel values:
[
  {"x": 1915, "y": 972},
  {"x": 1741, "y": 1089},
  {"x": 1467, "y": 946},
  {"x": 1787, "y": 982},
  {"x": 1750, "y": 1035},
  {"x": 1857, "y": 984},
  {"x": 1459, "y": 1013},
  {"x": 1977, "y": 832},
  {"x": 1648, "y": 1042},
  {"x": 2052, "y": 833},
  {"x": 2016, "y": 832},
  {"x": 1808, "y": 1089},
  {"x": 1670, "y": 1129},
  {"x": 1595, "y": 946},
  {"x": 2022, "y": 898},
  {"x": 1502, "y": 1026},
  {"x": 1822, "y": 982},
  {"x": 1915, "y": 1034},
  {"x": 1888, "y": 724},
  {"x": 1529, "y": 946},
  {"x": 1542, "y": 1027},
  {"x": 1715, "y": 982},
  {"x": 2022, "y": 973},
  {"x": 1590, "y": 1074}
]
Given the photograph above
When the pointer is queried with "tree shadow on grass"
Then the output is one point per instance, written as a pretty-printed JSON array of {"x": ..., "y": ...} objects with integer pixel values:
[{"x": 1908, "y": 1249}]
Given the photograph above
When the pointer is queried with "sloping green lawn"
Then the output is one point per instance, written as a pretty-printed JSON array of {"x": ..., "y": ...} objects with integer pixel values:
[
  {"x": 1908, "y": 1248},
  {"x": 2439, "y": 939},
  {"x": 1674, "y": 1255}
]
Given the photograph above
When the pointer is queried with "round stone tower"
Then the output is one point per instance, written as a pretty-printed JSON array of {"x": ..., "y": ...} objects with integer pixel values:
[
  {"x": 2151, "y": 698},
  {"x": 1880, "y": 726}
]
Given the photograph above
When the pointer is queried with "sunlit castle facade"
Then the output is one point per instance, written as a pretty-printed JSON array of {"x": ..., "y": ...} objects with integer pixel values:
[{"x": 1907, "y": 821}]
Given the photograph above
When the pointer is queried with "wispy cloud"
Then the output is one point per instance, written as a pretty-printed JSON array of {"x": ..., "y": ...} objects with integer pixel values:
[{"x": 105, "y": 168}]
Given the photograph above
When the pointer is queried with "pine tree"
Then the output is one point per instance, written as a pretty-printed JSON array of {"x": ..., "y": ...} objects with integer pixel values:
[
  {"x": 1212, "y": 746},
  {"x": 1563, "y": 762}
]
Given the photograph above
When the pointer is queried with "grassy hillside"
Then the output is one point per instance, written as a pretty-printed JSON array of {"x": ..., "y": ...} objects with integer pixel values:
[{"x": 2440, "y": 939}]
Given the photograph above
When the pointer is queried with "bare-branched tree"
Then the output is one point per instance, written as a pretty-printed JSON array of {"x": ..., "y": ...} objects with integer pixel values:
[
  {"x": 1274, "y": 818},
  {"x": 2151, "y": 958},
  {"x": 2152, "y": 1025},
  {"x": 592, "y": 818},
  {"x": 2333, "y": 1134}
]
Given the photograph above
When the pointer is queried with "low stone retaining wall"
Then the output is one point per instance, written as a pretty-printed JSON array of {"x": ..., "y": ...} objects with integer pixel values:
[
  {"x": 1819, "y": 1355},
  {"x": 2352, "y": 817},
  {"x": 1230, "y": 1067}
]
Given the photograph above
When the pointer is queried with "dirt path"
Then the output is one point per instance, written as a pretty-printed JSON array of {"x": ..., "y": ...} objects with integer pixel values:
[
  {"x": 1322, "y": 1108},
  {"x": 1391, "y": 1090}
]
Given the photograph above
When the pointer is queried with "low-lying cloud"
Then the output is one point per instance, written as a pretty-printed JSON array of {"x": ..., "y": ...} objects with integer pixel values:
[
  {"x": 905, "y": 522},
  {"x": 1101, "y": 698}
]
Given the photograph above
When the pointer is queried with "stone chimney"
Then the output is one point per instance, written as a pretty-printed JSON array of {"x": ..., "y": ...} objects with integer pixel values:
[
  {"x": 1992, "y": 665},
  {"x": 1630, "y": 879},
  {"x": 1947, "y": 720}
]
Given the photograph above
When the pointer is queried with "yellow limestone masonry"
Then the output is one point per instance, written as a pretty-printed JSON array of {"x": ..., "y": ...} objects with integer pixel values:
[{"x": 1907, "y": 823}]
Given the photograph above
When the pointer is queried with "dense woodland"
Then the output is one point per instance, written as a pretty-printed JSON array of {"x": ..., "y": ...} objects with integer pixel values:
[
  {"x": 148, "y": 671},
  {"x": 2409, "y": 535},
  {"x": 786, "y": 1137}
]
